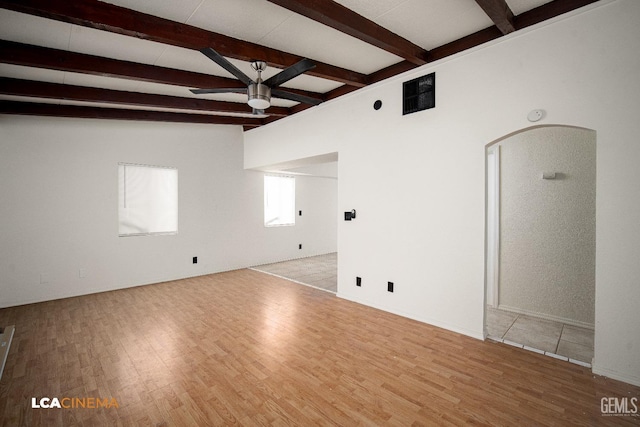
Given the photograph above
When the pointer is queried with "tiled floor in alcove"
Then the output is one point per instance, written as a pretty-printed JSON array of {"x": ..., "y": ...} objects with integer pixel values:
[
  {"x": 552, "y": 338},
  {"x": 317, "y": 271}
]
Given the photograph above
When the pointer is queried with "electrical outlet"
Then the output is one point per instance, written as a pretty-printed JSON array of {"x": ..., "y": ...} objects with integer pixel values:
[
  {"x": 195, "y": 259},
  {"x": 300, "y": 246},
  {"x": 299, "y": 213},
  {"x": 390, "y": 286},
  {"x": 358, "y": 281}
]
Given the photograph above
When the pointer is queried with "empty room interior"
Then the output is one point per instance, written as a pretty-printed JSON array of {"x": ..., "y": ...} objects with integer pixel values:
[{"x": 280, "y": 212}]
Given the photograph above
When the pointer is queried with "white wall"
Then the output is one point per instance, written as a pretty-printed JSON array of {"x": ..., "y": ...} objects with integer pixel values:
[
  {"x": 418, "y": 181},
  {"x": 59, "y": 212},
  {"x": 317, "y": 228},
  {"x": 548, "y": 227}
]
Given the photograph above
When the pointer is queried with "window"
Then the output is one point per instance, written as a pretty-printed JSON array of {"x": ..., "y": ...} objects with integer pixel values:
[
  {"x": 147, "y": 200},
  {"x": 279, "y": 200}
]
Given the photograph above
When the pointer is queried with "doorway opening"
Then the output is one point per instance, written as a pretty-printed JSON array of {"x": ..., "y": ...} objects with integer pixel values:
[
  {"x": 316, "y": 220},
  {"x": 540, "y": 242}
]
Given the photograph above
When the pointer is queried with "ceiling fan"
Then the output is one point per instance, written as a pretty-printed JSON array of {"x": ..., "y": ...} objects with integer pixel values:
[{"x": 259, "y": 92}]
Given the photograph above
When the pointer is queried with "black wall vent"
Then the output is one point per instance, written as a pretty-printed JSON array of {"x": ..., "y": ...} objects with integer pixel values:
[{"x": 419, "y": 94}]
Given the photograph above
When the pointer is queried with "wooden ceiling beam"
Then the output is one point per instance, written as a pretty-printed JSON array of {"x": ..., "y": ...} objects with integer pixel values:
[
  {"x": 74, "y": 111},
  {"x": 63, "y": 60},
  {"x": 391, "y": 71},
  {"x": 548, "y": 11},
  {"x": 345, "y": 20},
  {"x": 108, "y": 17},
  {"x": 36, "y": 89},
  {"x": 500, "y": 13},
  {"x": 464, "y": 43}
]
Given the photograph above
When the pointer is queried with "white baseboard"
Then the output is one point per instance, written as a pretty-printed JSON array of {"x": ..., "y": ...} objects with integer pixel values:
[
  {"x": 545, "y": 316},
  {"x": 430, "y": 321},
  {"x": 615, "y": 375}
]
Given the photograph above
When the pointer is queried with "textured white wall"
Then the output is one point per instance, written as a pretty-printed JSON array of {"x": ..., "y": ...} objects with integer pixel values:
[
  {"x": 59, "y": 213},
  {"x": 418, "y": 181},
  {"x": 547, "y": 227}
]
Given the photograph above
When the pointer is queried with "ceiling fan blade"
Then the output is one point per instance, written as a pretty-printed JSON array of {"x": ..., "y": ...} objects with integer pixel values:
[
  {"x": 290, "y": 72},
  {"x": 279, "y": 93},
  {"x": 219, "y": 90},
  {"x": 224, "y": 63}
]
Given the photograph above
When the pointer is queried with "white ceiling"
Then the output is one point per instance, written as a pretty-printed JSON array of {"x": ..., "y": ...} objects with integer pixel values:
[{"x": 427, "y": 23}]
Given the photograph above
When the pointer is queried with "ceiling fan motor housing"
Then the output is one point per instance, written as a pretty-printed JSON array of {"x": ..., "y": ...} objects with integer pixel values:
[{"x": 259, "y": 96}]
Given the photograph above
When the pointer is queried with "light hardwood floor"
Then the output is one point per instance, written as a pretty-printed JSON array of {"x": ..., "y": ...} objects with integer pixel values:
[{"x": 247, "y": 348}]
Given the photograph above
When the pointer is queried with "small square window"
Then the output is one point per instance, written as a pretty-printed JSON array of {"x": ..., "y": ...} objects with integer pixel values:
[
  {"x": 279, "y": 200},
  {"x": 147, "y": 200}
]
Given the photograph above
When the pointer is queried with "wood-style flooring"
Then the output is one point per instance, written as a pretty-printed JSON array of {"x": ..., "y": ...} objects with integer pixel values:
[{"x": 246, "y": 348}]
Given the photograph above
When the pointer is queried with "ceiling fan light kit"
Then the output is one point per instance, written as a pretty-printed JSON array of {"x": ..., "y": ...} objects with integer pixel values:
[{"x": 259, "y": 96}]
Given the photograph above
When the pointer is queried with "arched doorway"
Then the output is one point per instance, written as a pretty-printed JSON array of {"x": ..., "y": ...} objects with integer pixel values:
[{"x": 541, "y": 184}]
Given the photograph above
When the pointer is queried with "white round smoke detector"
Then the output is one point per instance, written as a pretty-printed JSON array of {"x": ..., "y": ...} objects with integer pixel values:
[{"x": 535, "y": 115}]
